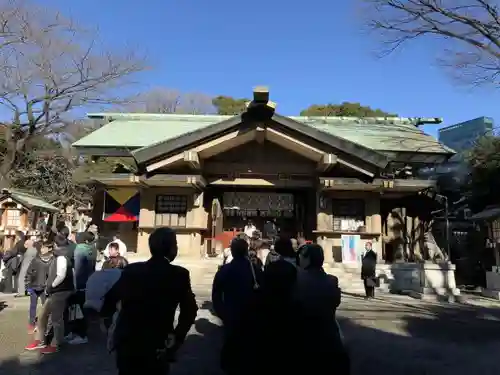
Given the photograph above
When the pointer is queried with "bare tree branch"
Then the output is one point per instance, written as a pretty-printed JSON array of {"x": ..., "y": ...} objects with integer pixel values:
[
  {"x": 468, "y": 32},
  {"x": 51, "y": 67},
  {"x": 162, "y": 100},
  {"x": 49, "y": 174}
]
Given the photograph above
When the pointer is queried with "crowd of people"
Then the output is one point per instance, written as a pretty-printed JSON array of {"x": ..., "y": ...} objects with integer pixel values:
[
  {"x": 54, "y": 270},
  {"x": 276, "y": 302},
  {"x": 136, "y": 303}
]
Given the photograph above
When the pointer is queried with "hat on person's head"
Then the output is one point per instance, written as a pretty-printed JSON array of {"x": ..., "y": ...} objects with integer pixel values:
[{"x": 163, "y": 243}]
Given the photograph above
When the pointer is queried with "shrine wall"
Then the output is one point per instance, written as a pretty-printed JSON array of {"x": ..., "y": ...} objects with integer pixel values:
[
  {"x": 258, "y": 158},
  {"x": 189, "y": 234},
  {"x": 366, "y": 223}
]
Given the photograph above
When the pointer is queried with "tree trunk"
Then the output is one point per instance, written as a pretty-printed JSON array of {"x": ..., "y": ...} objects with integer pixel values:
[{"x": 5, "y": 168}]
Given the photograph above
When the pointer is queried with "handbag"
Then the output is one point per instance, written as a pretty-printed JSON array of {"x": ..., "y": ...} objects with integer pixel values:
[{"x": 371, "y": 282}]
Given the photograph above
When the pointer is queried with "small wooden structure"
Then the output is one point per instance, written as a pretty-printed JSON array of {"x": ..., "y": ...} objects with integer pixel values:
[
  {"x": 20, "y": 211},
  {"x": 490, "y": 217}
]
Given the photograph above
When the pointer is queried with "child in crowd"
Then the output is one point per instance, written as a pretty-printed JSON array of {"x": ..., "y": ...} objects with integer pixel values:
[
  {"x": 36, "y": 280},
  {"x": 114, "y": 250}
]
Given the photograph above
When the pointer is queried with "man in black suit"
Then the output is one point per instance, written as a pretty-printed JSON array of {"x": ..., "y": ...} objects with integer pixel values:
[{"x": 149, "y": 293}]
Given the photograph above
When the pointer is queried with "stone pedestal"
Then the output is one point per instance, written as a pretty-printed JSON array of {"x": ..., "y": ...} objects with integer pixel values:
[
  {"x": 422, "y": 280},
  {"x": 492, "y": 285}
]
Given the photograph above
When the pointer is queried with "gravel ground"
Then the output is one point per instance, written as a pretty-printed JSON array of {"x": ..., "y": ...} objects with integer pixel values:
[{"x": 389, "y": 335}]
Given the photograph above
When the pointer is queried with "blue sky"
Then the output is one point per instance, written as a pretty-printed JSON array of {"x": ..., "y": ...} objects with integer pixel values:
[{"x": 306, "y": 52}]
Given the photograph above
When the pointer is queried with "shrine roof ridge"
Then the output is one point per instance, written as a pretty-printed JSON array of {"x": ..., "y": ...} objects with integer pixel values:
[{"x": 111, "y": 116}]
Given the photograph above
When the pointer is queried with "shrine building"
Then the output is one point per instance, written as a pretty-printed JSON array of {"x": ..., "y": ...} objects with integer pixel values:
[{"x": 203, "y": 175}]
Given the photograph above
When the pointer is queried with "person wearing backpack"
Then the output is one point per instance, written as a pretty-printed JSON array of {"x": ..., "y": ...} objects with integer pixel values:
[{"x": 234, "y": 284}]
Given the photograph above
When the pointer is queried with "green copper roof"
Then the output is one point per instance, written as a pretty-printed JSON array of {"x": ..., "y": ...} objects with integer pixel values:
[
  {"x": 134, "y": 132},
  {"x": 29, "y": 200},
  {"x": 381, "y": 134}
]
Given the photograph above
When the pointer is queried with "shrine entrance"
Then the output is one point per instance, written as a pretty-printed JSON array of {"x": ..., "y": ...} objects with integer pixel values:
[{"x": 292, "y": 209}]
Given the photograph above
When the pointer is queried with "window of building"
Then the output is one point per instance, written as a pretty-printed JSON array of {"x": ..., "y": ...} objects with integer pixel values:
[
  {"x": 348, "y": 214},
  {"x": 171, "y": 210},
  {"x": 13, "y": 217}
]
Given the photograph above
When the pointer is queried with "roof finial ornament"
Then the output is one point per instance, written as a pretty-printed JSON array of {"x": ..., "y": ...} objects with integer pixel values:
[
  {"x": 260, "y": 94},
  {"x": 261, "y": 98}
]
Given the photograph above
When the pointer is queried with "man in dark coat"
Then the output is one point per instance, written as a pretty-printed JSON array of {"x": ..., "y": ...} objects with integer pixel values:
[
  {"x": 149, "y": 293},
  {"x": 318, "y": 295},
  {"x": 12, "y": 260},
  {"x": 368, "y": 270},
  {"x": 234, "y": 284}
]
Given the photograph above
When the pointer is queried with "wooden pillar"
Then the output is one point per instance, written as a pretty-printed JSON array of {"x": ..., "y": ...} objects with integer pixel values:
[
  {"x": 324, "y": 222},
  {"x": 324, "y": 217},
  {"x": 418, "y": 230},
  {"x": 374, "y": 222},
  {"x": 23, "y": 218}
]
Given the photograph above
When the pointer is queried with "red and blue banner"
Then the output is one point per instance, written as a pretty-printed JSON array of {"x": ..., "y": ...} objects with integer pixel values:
[{"x": 121, "y": 205}]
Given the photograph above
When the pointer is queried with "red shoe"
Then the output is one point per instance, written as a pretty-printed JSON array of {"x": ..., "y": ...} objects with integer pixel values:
[
  {"x": 49, "y": 349},
  {"x": 31, "y": 329},
  {"x": 35, "y": 345}
]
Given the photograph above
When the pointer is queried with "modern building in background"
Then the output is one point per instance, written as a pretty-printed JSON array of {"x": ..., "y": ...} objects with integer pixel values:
[{"x": 462, "y": 137}]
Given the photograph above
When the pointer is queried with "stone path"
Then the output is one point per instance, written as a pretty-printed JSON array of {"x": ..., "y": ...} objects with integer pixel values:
[{"x": 389, "y": 335}]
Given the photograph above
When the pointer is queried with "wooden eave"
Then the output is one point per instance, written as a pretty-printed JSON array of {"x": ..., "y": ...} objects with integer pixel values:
[
  {"x": 377, "y": 185},
  {"x": 418, "y": 157},
  {"x": 105, "y": 151},
  {"x": 128, "y": 179}
]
